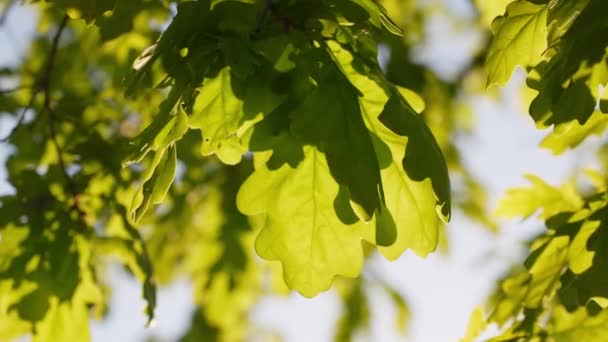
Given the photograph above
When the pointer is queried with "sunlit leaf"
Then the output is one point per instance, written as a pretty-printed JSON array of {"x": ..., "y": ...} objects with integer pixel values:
[
  {"x": 218, "y": 112},
  {"x": 412, "y": 203},
  {"x": 156, "y": 181},
  {"x": 302, "y": 229},
  {"x": 540, "y": 196},
  {"x": 520, "y": 38},
  {"x": 570, "y": 134}
]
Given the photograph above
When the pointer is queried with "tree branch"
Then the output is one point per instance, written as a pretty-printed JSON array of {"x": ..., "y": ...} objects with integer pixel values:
[
  {"x": 44, "y": 83},
  {"x": 44, "y": 86},
  {"x": 20, "y": 119}
]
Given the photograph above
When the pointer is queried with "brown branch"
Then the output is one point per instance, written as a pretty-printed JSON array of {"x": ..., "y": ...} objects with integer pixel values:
[
  {"x": 71, "y": 186},
  {"x": 44, "y": 80},
  {"x": 44, "y": 85},
  {"x": 23, "y": 111},
  {"x": 20, "y": 119}
]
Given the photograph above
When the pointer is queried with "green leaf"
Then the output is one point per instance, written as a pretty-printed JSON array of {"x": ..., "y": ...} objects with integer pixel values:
[
  {"x": 580, "y": 258},
  {"x": 570, "y": 134},
  {"x": 33, "y": 306},
  {"x": 412, "y": 98},
  {"x": 413, "y": 203},
  {"x": 585, "y": 283},
  {"x": 547, "y": 263},
  {"x": 377, "y": 15},
  {"x": 218, "y": 112},
  {"x": 86, "y": 9},
  {"x": 423, "y": 158},
  {"x": 164, "y": 130},
  {"x": 526, "y": 201},
  {"x": 121, "y": 19},
  {"x": 578, "y": 326},
  {"x": 489, "y": 10},
  {"x": 64, "y": 322},
  {"x": 528, "y": 289},
  {"x": 561, "y": 15},
  {"x": 568, "y": 83},
  {"x": 330, "y": 118},
  {"x": 302, "y": 229},
  {"x": 520, "y": 38},
  {"x": 156, "y": 182}
]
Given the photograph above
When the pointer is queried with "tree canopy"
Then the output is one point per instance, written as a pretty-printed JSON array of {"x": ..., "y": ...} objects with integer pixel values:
[{"x": 186, "y": 138}]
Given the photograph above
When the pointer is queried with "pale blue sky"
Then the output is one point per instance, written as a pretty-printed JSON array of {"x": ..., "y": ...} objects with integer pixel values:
[{"x": 442, "y": 290}]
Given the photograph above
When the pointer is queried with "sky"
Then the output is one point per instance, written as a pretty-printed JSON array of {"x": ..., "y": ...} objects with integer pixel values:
[{"x": 441, "y": 290}]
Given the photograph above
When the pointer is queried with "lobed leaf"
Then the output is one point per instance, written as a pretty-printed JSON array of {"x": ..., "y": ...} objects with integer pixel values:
[
  {"x": 302, "y": 229},
  {"x": 413, "y": 203},
  {"x": 520, "y": 38},
  {"x": 218, "y": 113},
  {"x": 570, "y": 134},
  {"x": 330, "y": 118},
  {"x": 540, "y": 196}
]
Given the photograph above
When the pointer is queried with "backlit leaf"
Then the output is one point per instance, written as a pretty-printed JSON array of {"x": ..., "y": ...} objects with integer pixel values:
[
  {"x": 540, "y": 196},
  {"x": 520, "y": 38},
  {"x": 330, "y": 118},
  {"x": 218, "y": 113},
  {"x": 413, "y": 203},
  {"x": 302, "y": 229},
  {"x": 156, "y": 181}
]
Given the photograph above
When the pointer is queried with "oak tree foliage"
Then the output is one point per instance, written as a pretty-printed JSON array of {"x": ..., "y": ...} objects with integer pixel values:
[{"x": 186, "y": 138}]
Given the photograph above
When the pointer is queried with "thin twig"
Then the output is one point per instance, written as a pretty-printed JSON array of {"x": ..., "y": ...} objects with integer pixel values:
[
  {"x": 20, "y": 120},
  {"x": 71, "y": 186},
  {"x": 44, "y": 80},
  {"x": 44, "y": 85}
]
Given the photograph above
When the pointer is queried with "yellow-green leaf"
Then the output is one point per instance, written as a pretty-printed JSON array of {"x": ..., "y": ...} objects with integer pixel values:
[
  {"x": 520, "y": 38},
  {"x": 525, "y": 201},
  {"x": 412, "y": 203},
  {"x": 302, "y": 229},
  {"x": 218, "y": 112}
]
